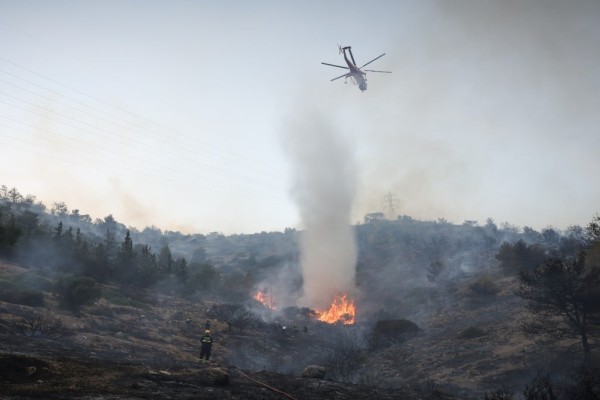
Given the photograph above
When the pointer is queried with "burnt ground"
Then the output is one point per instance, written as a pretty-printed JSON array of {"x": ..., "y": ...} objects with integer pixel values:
[
  {"x": 98, "y": 379},
  {"x": 61, "y": 366},
  {"x": 147, "y": 347}
]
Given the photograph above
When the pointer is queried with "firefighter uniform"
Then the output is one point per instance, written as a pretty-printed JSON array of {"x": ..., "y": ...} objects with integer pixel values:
[{"x": 206, "y": 346}]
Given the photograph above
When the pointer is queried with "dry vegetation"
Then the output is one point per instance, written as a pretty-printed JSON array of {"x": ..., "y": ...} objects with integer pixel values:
[
  {"x": 150, "y": 350},
  {"x": 146, "y": 346}
]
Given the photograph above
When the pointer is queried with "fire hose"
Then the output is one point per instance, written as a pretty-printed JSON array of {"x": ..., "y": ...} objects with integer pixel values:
[{"x": 267, "y": 386}]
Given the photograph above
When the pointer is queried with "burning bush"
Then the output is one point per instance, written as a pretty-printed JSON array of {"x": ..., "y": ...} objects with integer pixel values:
[{"x": 342, "y": 310}]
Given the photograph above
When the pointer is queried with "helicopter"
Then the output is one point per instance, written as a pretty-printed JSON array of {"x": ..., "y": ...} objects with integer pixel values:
[{"x": 357, "y": 75}]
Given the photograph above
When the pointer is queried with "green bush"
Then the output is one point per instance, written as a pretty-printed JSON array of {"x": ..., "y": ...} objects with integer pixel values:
[
  {"x": 77, "y": 292},
  {"x": 33, "y": 281},
  {"x": 16, "y": 294},
  {"x": 118, "y": 298}
]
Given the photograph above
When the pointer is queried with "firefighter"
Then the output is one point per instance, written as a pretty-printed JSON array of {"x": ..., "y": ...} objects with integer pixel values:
[{"x": 206, "y": 346}]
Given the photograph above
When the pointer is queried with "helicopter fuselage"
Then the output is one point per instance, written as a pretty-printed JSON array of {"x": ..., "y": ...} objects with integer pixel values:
[{"x": 355, "y": 73}]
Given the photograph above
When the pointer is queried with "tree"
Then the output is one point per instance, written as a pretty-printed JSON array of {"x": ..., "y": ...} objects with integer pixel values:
[
  {"x": 531, "y": 235},
  {"x": 567, "y": 288},
  {"x": 9, "y": 234},
  {"x": 3, "y": 192},
  {"x": 573, "y": 241},
  {"x": 165, "y": 260},
  {"x": 147, "y": 272},
  {"x": 14, "y": 196},
  {"x": 374, "y": 216},
  {"x": 76, "y": 292},
  {"x": 593, "y": 229},
  {"x": 201, "y": 276},
  {"x": 125, "y": 260},
  {"x": 550, "y": 239},
  {"x": 59, "y": 208},
  {"x": 519, "y": 256},
  {"x": 58, "y": 233},
  {"x": 126, "y": 250},
  {"x": 180, "y": 269}
]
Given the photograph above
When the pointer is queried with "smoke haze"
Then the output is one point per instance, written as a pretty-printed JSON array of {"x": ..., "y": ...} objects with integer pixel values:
[
  {"x": 490, "y": 110},
  {"x": 491, "y": 101},
  {"x": 323, "y": 187}
]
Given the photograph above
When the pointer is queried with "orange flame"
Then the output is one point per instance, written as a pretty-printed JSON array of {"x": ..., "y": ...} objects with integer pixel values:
[
  {"x": 342, "y": 309},
  {"x": 261, "y": 297}
]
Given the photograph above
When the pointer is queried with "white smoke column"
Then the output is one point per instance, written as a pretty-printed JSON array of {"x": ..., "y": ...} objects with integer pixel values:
[{"x": 323, "y": 187}]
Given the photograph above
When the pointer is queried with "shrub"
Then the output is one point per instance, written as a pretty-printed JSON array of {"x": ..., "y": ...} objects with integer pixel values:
[
  {"x": 118, "y": 298},
  {"x": 38, "y": 325},
  {"x": 346, "y": 358},
  {"x": 484, "y": 286},
  {"x": 393, "y": 330},
  {"x": 33, "y": 281},
  {"x": 498, "y": 395},
  {"x": 541, "y": 388},
  {"x": 585, "y": 383},
  {"x": 471, "y": 333},
  {"x": 77, "y": 292},
  {"x": 13, "y": 293},
  {"x": 519, "y": 256}
]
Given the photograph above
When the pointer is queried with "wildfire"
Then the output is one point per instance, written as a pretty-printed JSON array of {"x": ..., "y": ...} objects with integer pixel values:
[
  {"x": 261, "y": 297},
  {"x": 342, "y": 309}
]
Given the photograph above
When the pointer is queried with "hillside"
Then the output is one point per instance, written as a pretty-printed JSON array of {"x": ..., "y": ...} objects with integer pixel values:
[
  {"x": 147, "y": 350},
  {"x": 144, "y": 345},
  {"x": 440, "y": 310}
]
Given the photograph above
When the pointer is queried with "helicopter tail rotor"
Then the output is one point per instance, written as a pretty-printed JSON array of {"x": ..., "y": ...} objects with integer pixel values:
[{"x": 340, "y": 48}]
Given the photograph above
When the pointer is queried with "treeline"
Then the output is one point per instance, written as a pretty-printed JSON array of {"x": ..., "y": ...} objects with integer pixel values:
[
  {"x": 66, "y": 242},
  {"x": 26, "y": 237}
]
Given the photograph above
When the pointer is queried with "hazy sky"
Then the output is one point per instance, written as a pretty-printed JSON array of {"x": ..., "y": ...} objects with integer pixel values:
[{"x": 175, "y": 113}]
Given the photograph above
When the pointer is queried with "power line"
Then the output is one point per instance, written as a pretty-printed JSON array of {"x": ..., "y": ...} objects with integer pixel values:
[
  {"x": 246, "y": 171},
  {"x": 236, "y": 157},
  {"x": 390, "y": 204},
  {"x": 112, "y": 136}
]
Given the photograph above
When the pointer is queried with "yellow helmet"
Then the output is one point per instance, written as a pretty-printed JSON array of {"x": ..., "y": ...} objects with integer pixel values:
[{"x": 207, "y": 331}]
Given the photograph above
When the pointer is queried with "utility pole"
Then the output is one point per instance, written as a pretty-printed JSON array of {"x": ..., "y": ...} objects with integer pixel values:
[{"x": 390, "y": 205}]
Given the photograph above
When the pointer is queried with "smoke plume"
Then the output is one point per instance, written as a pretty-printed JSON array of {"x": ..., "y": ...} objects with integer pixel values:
[{"x": 323, "y": 187}]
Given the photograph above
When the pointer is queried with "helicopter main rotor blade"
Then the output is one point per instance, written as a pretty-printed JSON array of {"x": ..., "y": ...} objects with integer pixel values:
[
  {"x": 376, "y": 58},
  {"x": 333, "y": 65},
  {"x": 341, "y": 76},
  {"x": 372, "y": 70}
]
